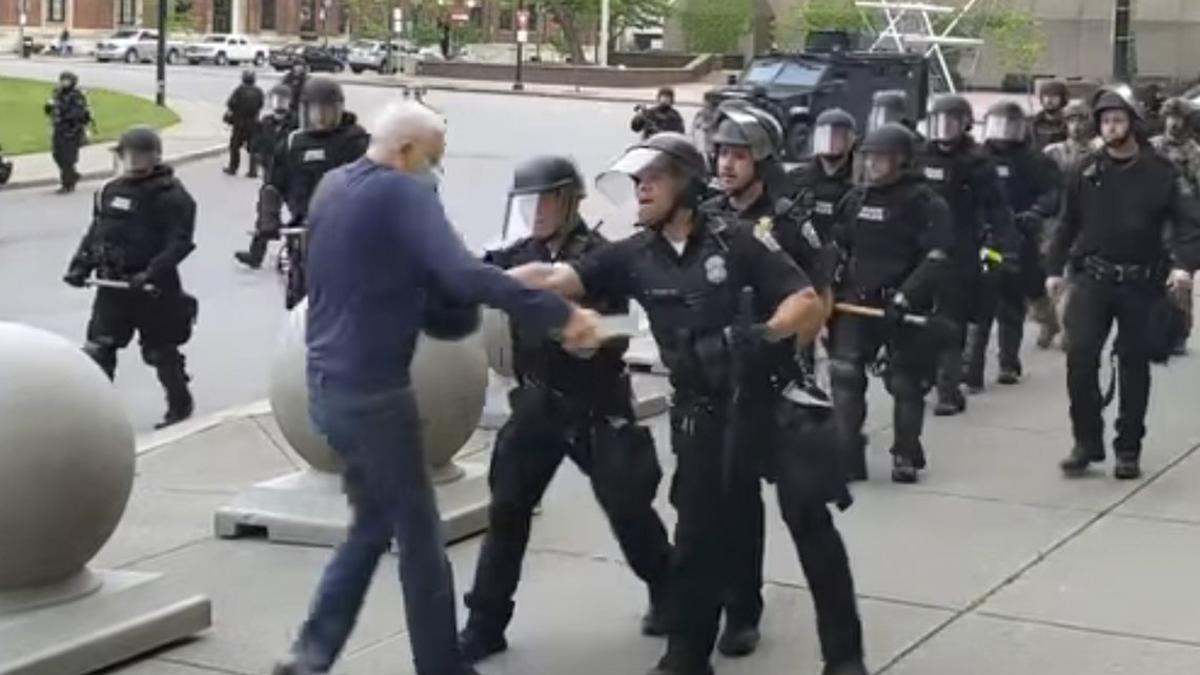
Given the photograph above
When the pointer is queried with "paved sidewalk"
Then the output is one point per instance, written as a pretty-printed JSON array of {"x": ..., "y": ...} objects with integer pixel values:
[
  {"x": 993, "y": 565},
  {"x": 199, "y": 134}
]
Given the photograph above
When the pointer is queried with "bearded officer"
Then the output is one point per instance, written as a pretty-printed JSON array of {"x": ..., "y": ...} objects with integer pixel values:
[
  {"x": 142, "y": 229},
  {"x": 563, "y": 406}
]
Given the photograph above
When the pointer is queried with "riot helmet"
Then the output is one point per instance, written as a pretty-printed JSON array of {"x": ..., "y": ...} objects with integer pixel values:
[
  {"x": 280, "y": 99},
  {"x": 1005, "y": 123},
  {"x": 950, "y": 118},
  {"x": 321, "y": 105},
  {"x": 1054, "y": 95},
  {"x": 890, "y": 105},
  {"x": 544, "y": 198},
  {"x": 887, "y": 152},
  {"x": 834, "y": 133},
  {"x": 248, "y": 77},
  {"x": 138, "y": 151},
  {"x": 68, "y": 80},
  {"x": 1177, "y": 115},
  {"x": 741, "y": 124},
  {"x": 1078, "y": 118},
  {"x": 658, "y": 176},
  {"x": 1115, "y": 98}
]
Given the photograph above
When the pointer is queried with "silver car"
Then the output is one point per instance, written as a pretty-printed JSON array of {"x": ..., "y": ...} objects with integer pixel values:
[{"x": 374, "y": 55}]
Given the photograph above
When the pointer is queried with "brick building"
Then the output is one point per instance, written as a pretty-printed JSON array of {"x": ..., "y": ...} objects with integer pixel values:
[{"x": 284, "y": 17}]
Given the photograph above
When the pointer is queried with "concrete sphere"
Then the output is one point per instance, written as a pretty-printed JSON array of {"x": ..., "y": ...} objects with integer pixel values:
[
  {"x": 66, "y": 458},
  {"x": 497, "y": 340},
  {"x": 449, "y": 378}
]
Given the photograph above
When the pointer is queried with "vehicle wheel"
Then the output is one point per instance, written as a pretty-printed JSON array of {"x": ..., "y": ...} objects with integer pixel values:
[
  {"x": 221, "y": 59},
  {"x": 259, "y": 60},
  {"x": 131, "y": 56},
  {"x": 797, "y": 140},
  {"x": 357, "y": 69},
  {"x": 173, "y": 57}
]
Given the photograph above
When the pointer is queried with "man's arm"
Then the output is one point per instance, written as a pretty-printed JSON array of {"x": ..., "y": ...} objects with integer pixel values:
[
  {"x": 1049, "y": 184},
  {"x": 557, "y": 278},
  {"x": 1184, "y": 219},
  {"x": 180, "y": 211}
]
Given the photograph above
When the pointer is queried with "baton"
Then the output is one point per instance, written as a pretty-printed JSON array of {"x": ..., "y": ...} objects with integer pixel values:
[
  {"x": 291, "y": 231},
  {"x": 120, "y": 285},
  {"x": 877, "y": 313}
]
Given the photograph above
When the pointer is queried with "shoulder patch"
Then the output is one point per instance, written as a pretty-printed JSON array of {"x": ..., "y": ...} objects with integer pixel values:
[{"x": 762, "y": 232}]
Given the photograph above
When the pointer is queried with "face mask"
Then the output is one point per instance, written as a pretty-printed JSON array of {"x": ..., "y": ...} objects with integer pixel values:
[{"x": 431, "y": 174}]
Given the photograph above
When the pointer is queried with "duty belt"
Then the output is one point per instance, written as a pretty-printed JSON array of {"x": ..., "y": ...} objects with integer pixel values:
[{"x": 1103, "y": 270}]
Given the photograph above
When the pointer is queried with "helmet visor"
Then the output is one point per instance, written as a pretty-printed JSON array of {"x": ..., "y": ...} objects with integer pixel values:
[
  {"x": 830, "y": 140},
  {"x": 880, "y": 116},
  {"x": 945, "y": 127},
  {"x": 320, "y": 116},
  {"x": 280, "y": 100},
  {"x": 999, "y": 128},
  {"x": 136, "y": 161}
]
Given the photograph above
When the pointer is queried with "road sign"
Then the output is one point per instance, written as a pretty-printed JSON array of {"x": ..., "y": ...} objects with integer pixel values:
[
  {"x": 459, "y": 16},
  {"x": 522, "y": 36}
]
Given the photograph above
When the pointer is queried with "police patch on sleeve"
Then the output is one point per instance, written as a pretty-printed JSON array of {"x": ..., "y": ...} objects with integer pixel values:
[
  {"x": 935, "y": 173},
  {"x": 762, "y": 232},
  {"x": 121, "y": 203},
  {"x": 714, "y": 270}
]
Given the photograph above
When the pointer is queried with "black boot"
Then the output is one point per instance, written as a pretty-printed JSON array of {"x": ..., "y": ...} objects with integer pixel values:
[
  {"x": 950, "y": 402},
  {"x": 1009, "y": 375},
  {"x": 855, "y": 667},
  {"x": 253, "y": 256},
  {"x": 477, "y": 644},
  {"x": 904, "y": 470},
  {"x": 738, "y": 639},
  {"x": 180, "y": 404},
  {"x": 1080, "y": 458},
  {"x": 856, "y": 460},
  {"x": 673, "y": 664},
  {"x": 1127, "y": 468}
]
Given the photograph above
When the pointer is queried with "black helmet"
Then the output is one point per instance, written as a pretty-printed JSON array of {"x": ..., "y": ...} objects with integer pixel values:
[
  {"x": 1177, "y": 106},
  {"x": 70, "y": 78},
  {"x": 322, "y": 90},
  {"x": 744, "y": 125},
  {"x": 546, "y": 174},
  {"x": 280, "y": 97},
  {"x": 1005, "y": 122},
  {"x": 833, "y": 133},
  {"x": 893, "y": 137},
  {"x": 952, "y": 104},
  {"x": 140, "y": 139},
  {"x": 889, "y": 105},
  {"x": 1055, "y": 87},
  {"x": 1009, "y": 110},
  {"x": 681, "y": 151},
  {"x": 1114, "y": 98},
  {"x": 836, "y": 117},
  {"x": 666, "y": 148},
  {"x": 248, "y": 76}
]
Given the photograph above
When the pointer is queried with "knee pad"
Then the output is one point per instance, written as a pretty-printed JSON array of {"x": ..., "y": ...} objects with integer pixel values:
[
  {"x": 903, "y": 385},
  {"x": 847, "y": 373},
  {"x": 159, "y": 357}
]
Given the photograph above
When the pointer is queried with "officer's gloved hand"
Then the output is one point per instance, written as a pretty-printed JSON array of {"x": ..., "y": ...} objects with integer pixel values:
[
  {"x": 896, "y": 309},
  {"x": 75, "y": 278},
  {"x": 139, "y": 281},
  {"x": 747, "y": 339}
]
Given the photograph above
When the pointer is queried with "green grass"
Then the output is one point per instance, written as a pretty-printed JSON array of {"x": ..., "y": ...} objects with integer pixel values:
[{"x": 26, "y": 127}]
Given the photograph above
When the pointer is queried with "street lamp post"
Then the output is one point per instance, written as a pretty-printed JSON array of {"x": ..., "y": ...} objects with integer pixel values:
[
  {"x": 1122, "y": 41},
  {"x": 160, "y": 89},
  {"x": 22, "y": 17},
  {"x": 605, "y": 15},
  {"x": 522, "y": 35}
]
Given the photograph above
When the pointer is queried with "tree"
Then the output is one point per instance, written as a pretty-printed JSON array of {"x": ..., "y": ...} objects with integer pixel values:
[
  {"x": 1019, "y": 41},
  {"x": 368, "y": 18},
  {"x": 792, "y": 29},
  {"x": 636, "y": 14},
  {"x": 714, "y": 26}
]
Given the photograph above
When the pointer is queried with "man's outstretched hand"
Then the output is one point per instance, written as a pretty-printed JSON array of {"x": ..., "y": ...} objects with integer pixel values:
[{"x": 582, "y": 331}]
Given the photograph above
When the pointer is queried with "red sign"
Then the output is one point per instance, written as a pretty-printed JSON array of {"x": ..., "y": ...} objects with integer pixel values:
[
  {"x": 459, "y": 16},
  {"x": 523, "y": 20}
]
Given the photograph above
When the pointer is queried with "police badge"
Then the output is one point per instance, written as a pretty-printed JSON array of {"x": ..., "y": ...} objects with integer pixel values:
[{"x": 714, "y": 270}]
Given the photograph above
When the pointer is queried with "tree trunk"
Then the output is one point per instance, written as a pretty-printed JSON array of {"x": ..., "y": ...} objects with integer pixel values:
[{"x": 571, "y": 34}]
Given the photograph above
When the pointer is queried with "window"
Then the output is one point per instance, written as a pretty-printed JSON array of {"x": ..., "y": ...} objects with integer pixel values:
[
  {"x": 127, "y": 13},
  {"x": 799, "y": 75},
  {"x": 267, "y": 20},
  {"x": 57, "y": 11}
]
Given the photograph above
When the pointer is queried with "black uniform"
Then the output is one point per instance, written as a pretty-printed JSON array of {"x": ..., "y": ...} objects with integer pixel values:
[
  {"x": 1047, "y": 128},
  {"x": 887, "y": 238},
  {"x": 692, "y": 299},
  {"x": 1111, "y": 237},
  {"x": 566, "y": 406},
  {"x": 269, "y": 138},
  {"x": 966, "y": 179},
  {"x": 70, "y": 116},
  {"x": 823, "y": 191},
  {"x": 1032, "y": 184},
  {"x": 656, "y": 119},
  {"x": 295, "y": 82},
  {"x": 242, "y": 111},
  {"x": 142, "y": 228}
]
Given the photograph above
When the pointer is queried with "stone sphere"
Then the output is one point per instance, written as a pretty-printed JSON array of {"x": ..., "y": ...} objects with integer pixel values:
[
  {"x": 66, "y": 458},
  {"x": 449, "y": 378},
  {"x": 497, "y": 340}
]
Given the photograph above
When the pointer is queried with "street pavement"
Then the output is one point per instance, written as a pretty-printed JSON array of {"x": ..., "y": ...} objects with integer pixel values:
[{"x": 241, "y": 310}]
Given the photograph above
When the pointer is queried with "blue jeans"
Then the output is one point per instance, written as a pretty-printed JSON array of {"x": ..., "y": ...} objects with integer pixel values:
[{"x": 377, "y": 436}]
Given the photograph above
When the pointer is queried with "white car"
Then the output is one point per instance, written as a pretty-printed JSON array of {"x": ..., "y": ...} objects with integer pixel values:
[
  {"x": 373, "y": 55},
  {"x": 135, "y": 46},
  {"x": 226, "y": 49}
]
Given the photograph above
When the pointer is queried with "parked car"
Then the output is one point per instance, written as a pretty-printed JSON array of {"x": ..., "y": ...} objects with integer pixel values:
[
  {"x": 135, "y": 45},
  {"x": 226, "y": 49},
  {"x": 316, "y": 58},
  {"x": 375, "y": 55}
]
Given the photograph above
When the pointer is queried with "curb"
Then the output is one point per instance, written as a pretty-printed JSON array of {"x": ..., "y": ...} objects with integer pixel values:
[
  {"x": 152, "y": 440},
  {"x": 173, "y": 160}
]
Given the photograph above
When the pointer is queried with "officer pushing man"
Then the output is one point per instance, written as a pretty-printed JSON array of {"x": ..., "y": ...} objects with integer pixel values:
[
  {"x": 142, "y": 228},
  {"x": 894, "y": 235},
  {"x": 70, "y": 117},
  {"x": 1119, "y": 206},
  {"x": 565, "y": 405},
  {"x": 718, "y": 296},
  {"x": 241, "y": 114},
  {"x": 959, "y": 171},
  {"x": 1031, "y": 183}
]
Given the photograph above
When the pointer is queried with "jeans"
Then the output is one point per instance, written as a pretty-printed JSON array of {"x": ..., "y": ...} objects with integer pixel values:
[{"x": 377, "y": 437}]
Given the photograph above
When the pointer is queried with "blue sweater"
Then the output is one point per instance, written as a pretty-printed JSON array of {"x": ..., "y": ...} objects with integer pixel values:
[{"x": 378, "y": 242}]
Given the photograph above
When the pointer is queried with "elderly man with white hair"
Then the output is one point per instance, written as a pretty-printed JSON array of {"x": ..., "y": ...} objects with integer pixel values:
[{"x": 384, "y": 263}]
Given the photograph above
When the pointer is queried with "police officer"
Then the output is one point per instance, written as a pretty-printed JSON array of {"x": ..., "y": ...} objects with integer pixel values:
[
  {"x": 1178, "y": 144},
  {"x": 890, "y": 106},
  {"x": 142, "y": 228},
  {"x": 241, "y": 113},
  {"x": 329, "y": 137},
  {"x": 958, "y": 170},
  {"x": 295, "y": 80},
  {"x": 1068, "y": 153},
  {"x": 894, "y": 234},
  {"x": 563, "y": 406},
  {"x": 747, "y": 141},
  {"x": 1114, "y": 245},
  {"x": 70, "y": 117},
  {"x": 274, "y": 128},
  {"x": 1048, "y": 125},
  {"x": 715, "y": 294},
  {"x": 661, "y": 117},
  {"x": 1031, "y": 183},
  {"x": 6, "y": 169},
  {"x": 823, "y": 181}
]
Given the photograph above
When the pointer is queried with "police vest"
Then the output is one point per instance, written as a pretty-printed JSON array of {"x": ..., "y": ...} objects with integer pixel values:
[
  {"x": 128, "y": 230},
  {"x": 885, "y": 245},
  {"x": 1018, "y": 176}
]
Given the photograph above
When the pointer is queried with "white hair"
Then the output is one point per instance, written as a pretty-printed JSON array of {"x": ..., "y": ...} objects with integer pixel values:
[{"x": 402, "y": 122}]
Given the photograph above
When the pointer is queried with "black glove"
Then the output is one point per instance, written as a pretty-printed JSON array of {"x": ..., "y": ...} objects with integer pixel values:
[
  {"x": 897, "y": 308},
  {"x": 75, "y": 278},
  {"x": 139, "y": 281},
  {"x": 747, "y": 339},
  {"x": 1028, "y": 223}
]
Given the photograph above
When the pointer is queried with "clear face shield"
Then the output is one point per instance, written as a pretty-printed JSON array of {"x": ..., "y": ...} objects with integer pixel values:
[
  {"x": 280, "y": 101},
  {"x": 881, "y": 115},
  {"x": 945, "y": 127},
  {"x": 1004, "y": 129},
  {"x": 320, "y": 116},
  {"x": 135, "y": 162},
  {"x": 621, "y": 186},
  {"x": 539, "y": 214},
  {"x": 831, "y": 141}
]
